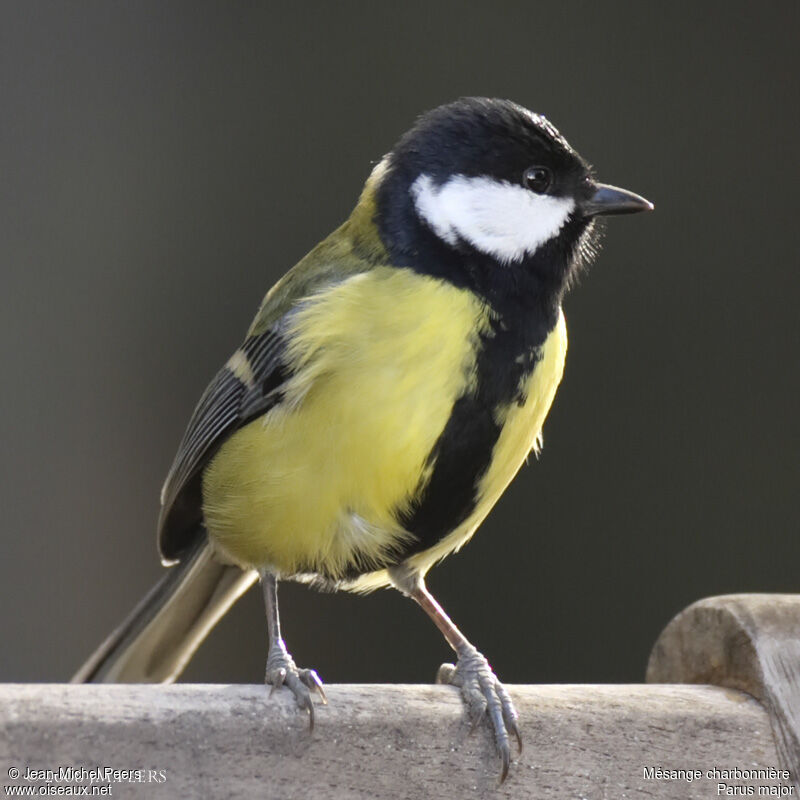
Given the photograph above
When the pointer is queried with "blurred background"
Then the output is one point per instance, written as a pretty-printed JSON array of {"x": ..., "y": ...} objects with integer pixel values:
[{"x": 162, "y": 164}]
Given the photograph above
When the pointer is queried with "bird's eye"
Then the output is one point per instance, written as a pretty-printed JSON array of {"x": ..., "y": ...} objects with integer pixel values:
[{"x": 537, "y": 179}]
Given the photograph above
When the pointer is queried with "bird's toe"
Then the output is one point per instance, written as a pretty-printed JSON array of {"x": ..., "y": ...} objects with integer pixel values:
[
  {"x": 484, "y": 696},
  {"x": 282, "y": 671}
]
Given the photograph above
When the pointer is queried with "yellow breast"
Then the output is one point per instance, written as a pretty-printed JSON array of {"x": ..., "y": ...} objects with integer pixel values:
[{"x": 378, "y": 362}]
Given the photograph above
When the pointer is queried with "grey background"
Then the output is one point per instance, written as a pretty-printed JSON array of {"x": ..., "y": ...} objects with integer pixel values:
[{"x": 161, "y": 164}]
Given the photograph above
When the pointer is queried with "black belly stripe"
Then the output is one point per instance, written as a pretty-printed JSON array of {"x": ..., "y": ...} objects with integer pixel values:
[
  {"x": 525, "y": 297},
  {"x": 507, "y": 355}
]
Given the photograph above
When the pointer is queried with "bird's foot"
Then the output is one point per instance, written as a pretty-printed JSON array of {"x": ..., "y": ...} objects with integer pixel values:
[
  {"x": 282, "y": 671},
  {"x": 483, "y": 693}
]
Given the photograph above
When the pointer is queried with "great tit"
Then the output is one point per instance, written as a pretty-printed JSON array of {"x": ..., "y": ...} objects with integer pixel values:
[{"x": 388, "y": 390}]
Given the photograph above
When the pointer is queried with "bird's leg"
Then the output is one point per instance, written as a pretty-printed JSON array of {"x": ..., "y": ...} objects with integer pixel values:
[
  {"x": 281, "y": 669},
  {"x": 480, "y": 688}
]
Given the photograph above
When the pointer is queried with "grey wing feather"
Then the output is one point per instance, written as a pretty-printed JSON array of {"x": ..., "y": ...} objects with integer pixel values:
[{"x": 246, "y": 387}]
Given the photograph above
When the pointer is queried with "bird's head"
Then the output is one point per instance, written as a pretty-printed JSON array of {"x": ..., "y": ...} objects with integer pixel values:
[{"x": 479, "y": 186}]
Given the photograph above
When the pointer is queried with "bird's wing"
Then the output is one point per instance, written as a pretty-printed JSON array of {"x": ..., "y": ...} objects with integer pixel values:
[
  {"x": 250, "y": 383},
  {"x": 246, "y": 387}
]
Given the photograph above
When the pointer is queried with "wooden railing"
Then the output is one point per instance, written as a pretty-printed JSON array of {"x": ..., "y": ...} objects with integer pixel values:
[{"x": 735, "y": 735}]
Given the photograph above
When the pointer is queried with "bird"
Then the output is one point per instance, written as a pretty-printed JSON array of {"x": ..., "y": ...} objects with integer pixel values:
[{"x": 390, "y": 387}]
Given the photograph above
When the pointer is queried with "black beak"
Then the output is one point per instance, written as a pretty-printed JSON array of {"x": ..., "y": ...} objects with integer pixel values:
[{"x": 611, "y": 200}]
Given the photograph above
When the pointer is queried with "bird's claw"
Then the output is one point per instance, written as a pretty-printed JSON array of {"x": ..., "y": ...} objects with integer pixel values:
[
  {"x": 483, "y": 693},
  {"x": 282, "y": 671}
]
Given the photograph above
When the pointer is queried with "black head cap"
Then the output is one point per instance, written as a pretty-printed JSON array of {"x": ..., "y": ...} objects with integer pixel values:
[{"x": 477, "y": 136}]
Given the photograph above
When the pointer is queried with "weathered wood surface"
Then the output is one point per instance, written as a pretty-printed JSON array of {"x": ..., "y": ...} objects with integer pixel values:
[
  {"x": 387, "y": 741},
  {"x": 749, "y": 642}
]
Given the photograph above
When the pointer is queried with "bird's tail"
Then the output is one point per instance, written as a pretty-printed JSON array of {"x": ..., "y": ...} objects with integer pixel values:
[{"x": 156, "y": 641}]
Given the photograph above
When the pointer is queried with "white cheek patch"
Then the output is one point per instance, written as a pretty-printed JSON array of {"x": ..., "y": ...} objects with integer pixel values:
[{"x": 499, "y": 218}]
